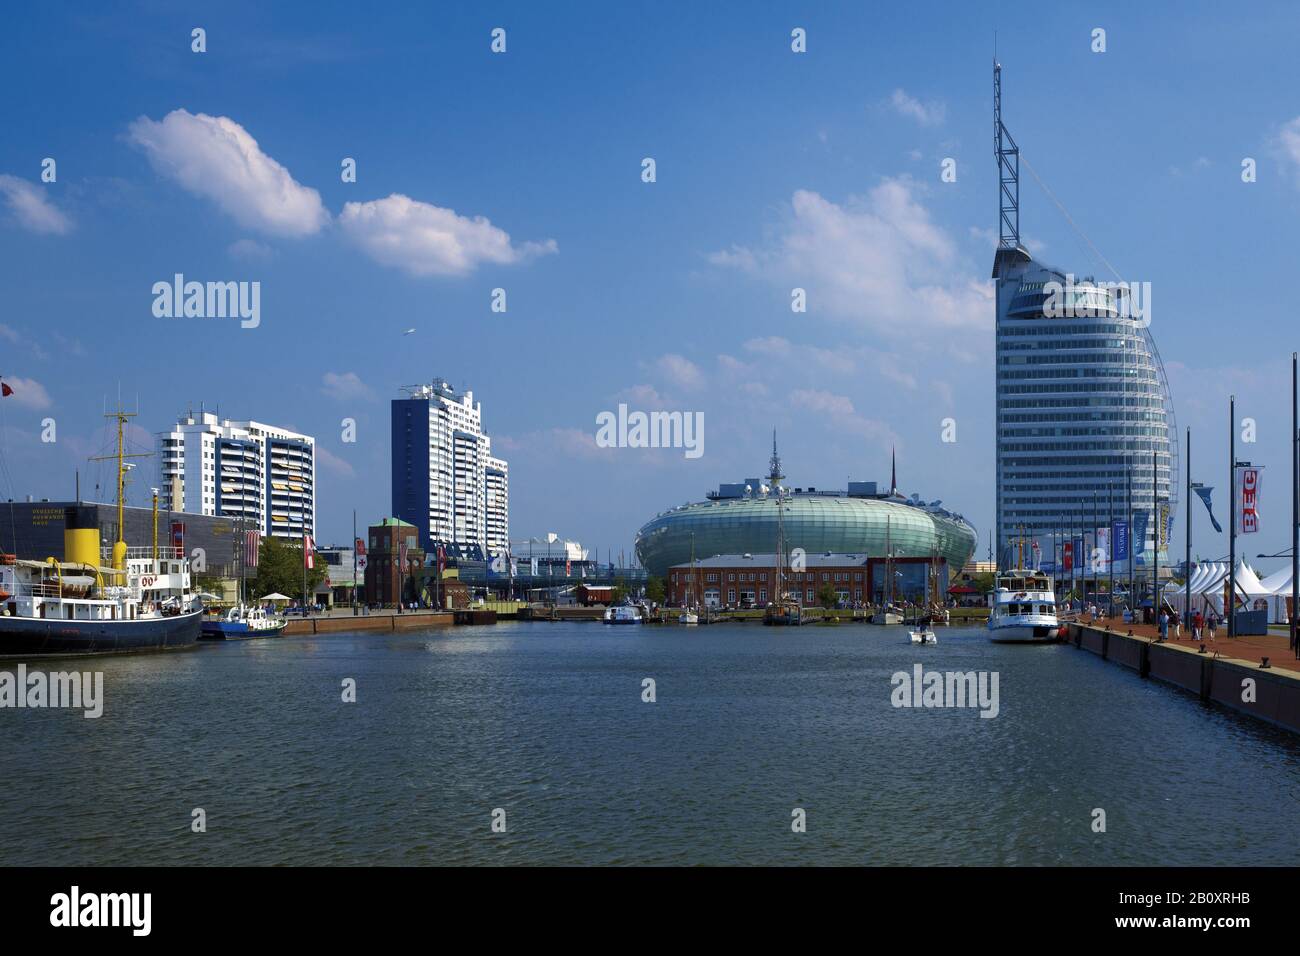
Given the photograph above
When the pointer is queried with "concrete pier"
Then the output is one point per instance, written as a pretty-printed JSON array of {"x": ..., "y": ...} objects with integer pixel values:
[{"x": 1270, "y": 694}]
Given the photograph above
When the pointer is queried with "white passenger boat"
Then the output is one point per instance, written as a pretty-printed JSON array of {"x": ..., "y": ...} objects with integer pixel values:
[
  {"x": 924, "y": 636},
  {"x": 1022, "y": 608},
  {"x": 623, "y": 614}
]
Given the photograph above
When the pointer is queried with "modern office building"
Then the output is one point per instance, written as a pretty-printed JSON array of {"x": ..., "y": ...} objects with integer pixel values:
[
  {"x": 749, "y": 518},
  {"x": 1083, "y": 408},
  {"x": 259, "y": 475},
  {"x": 445, "y": 479}
]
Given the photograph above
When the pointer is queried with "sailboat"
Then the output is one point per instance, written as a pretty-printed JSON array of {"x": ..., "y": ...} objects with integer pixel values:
[
  {"x": 786, "y": 609},
  {"x": 889, "y": 614},
  {"x": 131, "y": 599},
  {"x": 690, "y": 613}
]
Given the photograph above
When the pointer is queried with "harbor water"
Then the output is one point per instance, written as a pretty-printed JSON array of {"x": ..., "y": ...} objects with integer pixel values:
[{"x": 548, "y": 724}]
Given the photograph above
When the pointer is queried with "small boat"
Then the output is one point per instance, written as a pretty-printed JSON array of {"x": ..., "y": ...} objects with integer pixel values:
[
  {"x": 688, "y": 617},
  {"x": 923, "y": 636},
  {"x": 889, "y": 614},
  {"x": 788, "y": 613},
  {"x": 241, "y": 622},
  {"x": 1023, "y": 609},
  {"x": 623, "y": 614}
]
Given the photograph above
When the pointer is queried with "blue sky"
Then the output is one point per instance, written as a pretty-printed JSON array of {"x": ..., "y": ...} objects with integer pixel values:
[{"x": 774, "y": 170}]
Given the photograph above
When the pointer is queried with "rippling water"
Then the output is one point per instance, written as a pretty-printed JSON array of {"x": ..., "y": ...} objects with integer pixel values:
[{"x": 547, "y": 722}]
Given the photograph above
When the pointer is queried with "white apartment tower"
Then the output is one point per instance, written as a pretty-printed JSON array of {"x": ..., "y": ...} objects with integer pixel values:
[
  {"x": 446, "y": 481},
  {"x": 262, "y": 474}
]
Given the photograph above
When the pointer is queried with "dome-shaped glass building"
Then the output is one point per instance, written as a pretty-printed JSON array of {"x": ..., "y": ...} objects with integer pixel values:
[{"x": 744, "y": 518}]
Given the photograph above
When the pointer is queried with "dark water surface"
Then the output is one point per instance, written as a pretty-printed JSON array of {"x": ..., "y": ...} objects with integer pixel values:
[{"x": 547, "y": 722}]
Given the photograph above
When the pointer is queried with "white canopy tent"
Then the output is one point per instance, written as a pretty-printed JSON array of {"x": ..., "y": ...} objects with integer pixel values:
[{"x": 1210, "y": 579}]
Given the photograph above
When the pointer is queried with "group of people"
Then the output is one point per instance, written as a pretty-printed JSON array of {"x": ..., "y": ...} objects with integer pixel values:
[{"x": 1200, "y": 624}]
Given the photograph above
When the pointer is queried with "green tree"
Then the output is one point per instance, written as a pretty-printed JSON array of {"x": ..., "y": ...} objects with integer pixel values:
[
  {"x": 654, "y": 589},
  {"x": 279, "y": 568},
  {"x": 620, "y": 590},
  {"x": 827, "y": 597}
]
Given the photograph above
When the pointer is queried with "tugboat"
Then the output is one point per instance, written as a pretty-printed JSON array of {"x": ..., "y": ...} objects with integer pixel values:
[{"x": 128, "y": 600}]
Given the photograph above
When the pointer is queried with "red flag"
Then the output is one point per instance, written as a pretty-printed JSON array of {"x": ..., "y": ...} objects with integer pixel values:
[
  {"x": 252, "y": 544},
  {"x": 5, "y": 390},
  {"x": 308, "y": 555}
]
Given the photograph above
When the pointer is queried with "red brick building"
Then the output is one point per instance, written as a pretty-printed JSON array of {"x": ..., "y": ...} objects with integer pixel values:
[
  {"x": 735, "y": 579},
  {"x": 386, "y": 578}
]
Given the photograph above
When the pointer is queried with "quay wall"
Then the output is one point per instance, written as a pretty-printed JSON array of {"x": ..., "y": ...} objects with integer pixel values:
[
  {"x": 368, "y": 622},
  {"x": 1218, "y": 680}
]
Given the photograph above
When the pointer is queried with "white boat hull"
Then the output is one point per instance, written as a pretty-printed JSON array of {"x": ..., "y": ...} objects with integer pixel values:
[
  {"x": 1025, "y": 633},
  {"x": 923, "y": 637}
]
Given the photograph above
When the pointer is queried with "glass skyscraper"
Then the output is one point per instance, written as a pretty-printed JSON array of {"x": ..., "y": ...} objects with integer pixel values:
[{"x": 1083, "y": 406}]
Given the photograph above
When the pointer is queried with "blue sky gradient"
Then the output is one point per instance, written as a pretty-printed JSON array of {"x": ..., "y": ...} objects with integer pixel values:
[{"x": 774, "y": 170}]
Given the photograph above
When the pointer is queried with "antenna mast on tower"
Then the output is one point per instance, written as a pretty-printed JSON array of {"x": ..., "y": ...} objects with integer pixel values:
[{"x": 1008, "y": 154}]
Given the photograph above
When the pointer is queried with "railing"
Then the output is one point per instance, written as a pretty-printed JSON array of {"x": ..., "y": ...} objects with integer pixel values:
[{"x": 165, "y": 553}]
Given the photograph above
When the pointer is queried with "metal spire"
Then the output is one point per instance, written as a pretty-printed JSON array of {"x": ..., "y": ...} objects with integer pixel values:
[
  {"x": 775, "y": 462},
  {"x": 1008, "y": 155},
  {"x": 893, "y": 473}
]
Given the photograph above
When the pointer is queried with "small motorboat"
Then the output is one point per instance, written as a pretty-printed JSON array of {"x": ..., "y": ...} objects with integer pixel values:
[
  {"x": 623, "y": 614},
  {"x": 688, "y": 617},
  {"x": 924, "y": 636}
]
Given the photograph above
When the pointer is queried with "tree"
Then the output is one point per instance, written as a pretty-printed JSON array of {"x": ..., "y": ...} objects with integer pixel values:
[
  {"x": 620, "y": 591},
  {"x": 654, "y": 589},
  {"x": 827, "y": 597},
  {"x": 279, "y": 568}
]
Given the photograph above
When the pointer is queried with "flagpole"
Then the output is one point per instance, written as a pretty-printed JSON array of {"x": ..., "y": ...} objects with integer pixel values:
[
  {"x": 1155, "y": 542},
  {"x": 1110, "y": 547},
  {"x": 1295, "y": 511},
  {"x": 1187, "y": 564},
  {"x": 1230, "y": 601},
  {"x": 1132, "y": 556},
  {"x": 354, "y": 562}
]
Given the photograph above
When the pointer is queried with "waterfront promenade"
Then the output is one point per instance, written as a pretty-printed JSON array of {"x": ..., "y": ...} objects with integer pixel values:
[{"x": 1250, "y": 649}]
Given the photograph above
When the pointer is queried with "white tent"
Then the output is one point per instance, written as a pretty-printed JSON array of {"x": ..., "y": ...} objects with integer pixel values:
[{"x": 1210, "y": 579}]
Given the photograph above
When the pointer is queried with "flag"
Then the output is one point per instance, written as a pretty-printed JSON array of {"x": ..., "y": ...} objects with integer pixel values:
[
  {"x": 308, "y": 555},
  {"x": 1248, "y": 482},
  {"x": 1164, "y": 526},
  {"x": 1038, "y": 554},
  {"x": 532, "y": 566},
  {"x": 442, "y": 559},
  {"x": 1203, "y": 493},
  {"x": 1067, "y": 555},
  {"x": 1140, "y": 519},
  {"x": 252, "y": 545},
  {"x": 1101, "y": 547},
  {"x": 568, "y": 568},
  {"x": 1121, "y": 540},
  {"x": 359, "y": 555},
  {"x": 5, "y": 390}
]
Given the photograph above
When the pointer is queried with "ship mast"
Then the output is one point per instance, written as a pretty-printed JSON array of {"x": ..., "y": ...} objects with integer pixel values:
[{"x": 119, "y": 547}]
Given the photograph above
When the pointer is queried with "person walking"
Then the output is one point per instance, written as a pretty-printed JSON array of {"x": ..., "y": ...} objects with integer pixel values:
[
  {"x": 1164, "y": 625},
  {"x": 1198, "y": 622},
  {"x": 1214, "y": 623}
]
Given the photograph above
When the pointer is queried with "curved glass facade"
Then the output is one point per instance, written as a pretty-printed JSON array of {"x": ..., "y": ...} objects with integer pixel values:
[
  {"x": 815, "y": 522},
  {"x": 1082, "y": 405}
]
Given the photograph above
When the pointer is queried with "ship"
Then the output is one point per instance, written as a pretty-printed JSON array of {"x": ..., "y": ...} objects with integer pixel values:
[
  {"x": 1022, "y": 608},
  {"x": 90, "y": 602}
]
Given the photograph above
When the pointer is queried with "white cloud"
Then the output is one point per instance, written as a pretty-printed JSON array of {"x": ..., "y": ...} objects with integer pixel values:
[
  {"x": 930, "y": 113},
  {"x": 333, "y": 463},
  {"x": 841, "y": 411},
  {"x": 425, "y": 240},
  {"x": 28, "y": 393},
  {"x": 214, "y": 157},
  {"x": 680, "y": 370},
  {"x": 30, "y": 207},
  {"x": 1289, "y": 140},
  {"x": 345, "y": 387},
  {"x": 878, "y": 261}
]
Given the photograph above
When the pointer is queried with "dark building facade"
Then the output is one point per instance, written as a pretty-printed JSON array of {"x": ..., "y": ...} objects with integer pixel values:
[
  {"x": 387, "y": 581},
  {"x": 34, "y": 529}
]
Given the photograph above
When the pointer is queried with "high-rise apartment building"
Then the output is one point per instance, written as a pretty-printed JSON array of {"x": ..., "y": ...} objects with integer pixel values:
[
  {"x": 261, "y": 474},
  {"x": 446, "y": 481}
]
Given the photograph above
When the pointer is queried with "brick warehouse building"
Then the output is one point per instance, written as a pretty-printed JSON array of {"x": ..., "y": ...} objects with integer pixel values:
[{"x": 730, "y": 579}]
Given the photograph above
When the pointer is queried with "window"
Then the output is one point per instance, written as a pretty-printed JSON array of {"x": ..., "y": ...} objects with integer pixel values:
[{"x": 762, "y": 594}]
